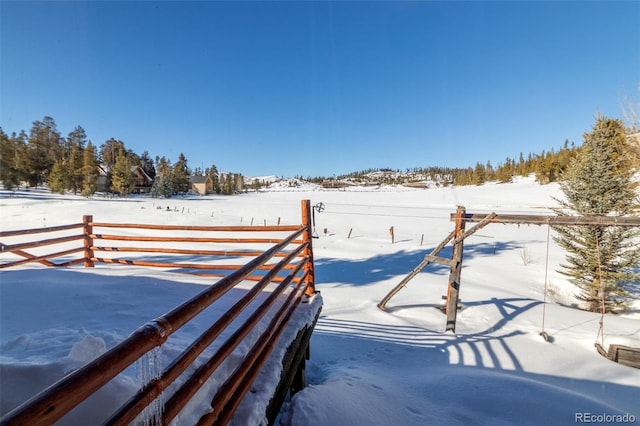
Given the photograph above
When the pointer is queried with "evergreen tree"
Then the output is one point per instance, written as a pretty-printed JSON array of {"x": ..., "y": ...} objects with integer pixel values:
[
  {"x": 20, "y": 143},
  {"x": 598, "y": 182},
  {"x": 73, "y": 156},
  {"x": 75, "y": 168},
  {"x": 490, "y": 172},
  {"x": 180, "y": 175},
  {"x": 89, "y": 170},
  {"x": 107, "y": 156},
  {"x": 546, "y": 169},
  {"x": 147, "y": 165},
  {"x": 76, "y": 138},
  {"x": 505, "y": 172},
  {"x": 10, "y": 173},
  {"x": 162, "y": 183},
  {"x": 238, "y": 182},
  {"x": 43, "y": 150},
  {"x": 479, "y": 174},
  {"x": 255, "y": 184},
  {"x": 215, "y": 178},
  {"x": 227, "y": 187},
  {"x": 521, "y": 167},
  {"x": 57, "y": 178},
  {"x": 122, "y": 178},
  {"x": 109, "y": 152}
]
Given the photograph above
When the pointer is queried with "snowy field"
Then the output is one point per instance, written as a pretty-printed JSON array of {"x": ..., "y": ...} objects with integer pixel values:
[{"x": 367, "y": 366}]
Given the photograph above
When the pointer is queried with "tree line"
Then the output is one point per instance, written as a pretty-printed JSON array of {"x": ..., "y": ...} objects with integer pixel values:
[
  {"x": 73, "y": 163},
  {"x": 547, "y": 167}
]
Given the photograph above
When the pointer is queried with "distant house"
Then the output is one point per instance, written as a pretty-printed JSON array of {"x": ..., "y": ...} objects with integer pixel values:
[
  {"x": 202, "y": 185},
  {"x": 332, "y": 183},
  {"x": 143, "y": 181},
  {"x": 101, "y": 181}
]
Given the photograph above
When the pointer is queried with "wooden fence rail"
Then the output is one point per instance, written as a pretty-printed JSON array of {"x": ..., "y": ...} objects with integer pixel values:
[
  {"x": 458, "y": 235},
  {"x": 522, "y": 219},
  {"x": 295, "y": 255},
  {"x": 138, "y": 248},
  {"x": 18, "y": 249}
]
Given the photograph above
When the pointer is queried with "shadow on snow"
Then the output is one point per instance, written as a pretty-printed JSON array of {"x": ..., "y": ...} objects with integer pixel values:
[{"x": 387, "y": 266}]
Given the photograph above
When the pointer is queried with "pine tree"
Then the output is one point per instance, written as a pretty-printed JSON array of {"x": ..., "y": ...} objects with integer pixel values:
[
  {"x": 215, "y": 178},
  {"x": 44, "y": 149},
  {"x": 122, "y": 178},
  {"x": 75, "y": 169},
  {"x": 147, "y": 165},
  {"x": 238, "y": 182},
  {"x": 57, "y": 178},
  {"x": 107, "y": 155},
  {"x": 10, "y": 174},
  {"x": 598, "y": 182},
  {"x": 479, "y": 174},
  {"x": 109, "y": 152},
  {"x": 89, "y": 170},
  {"x": 227, "y": 188},
  {"x": 180, "y": 175},
  {"x": 77, "y": 137},
  {"x": 162, "y": 183}
]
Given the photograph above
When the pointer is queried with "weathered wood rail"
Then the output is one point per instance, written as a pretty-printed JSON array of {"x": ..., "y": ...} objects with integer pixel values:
[
  {"x": 458, "y": 235},
  {"x": 287, "y": 263},
  {"x": 625, "y": 355}
]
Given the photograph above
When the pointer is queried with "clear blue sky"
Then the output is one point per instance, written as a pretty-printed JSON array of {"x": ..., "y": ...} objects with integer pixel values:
[{"x": 320, "y": 88}]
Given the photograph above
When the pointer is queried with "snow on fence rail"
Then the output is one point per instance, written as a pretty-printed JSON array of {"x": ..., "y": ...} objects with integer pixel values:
[{"x": 293, "y": 270}]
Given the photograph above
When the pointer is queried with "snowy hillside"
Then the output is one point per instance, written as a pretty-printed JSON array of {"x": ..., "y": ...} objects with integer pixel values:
[{"x": 367, "y": 366}]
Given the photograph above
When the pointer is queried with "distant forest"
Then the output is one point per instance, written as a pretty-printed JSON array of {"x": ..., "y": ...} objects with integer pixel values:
[
  {"x": 73, "y": 163},
  {"x": 547, "y": 166}
]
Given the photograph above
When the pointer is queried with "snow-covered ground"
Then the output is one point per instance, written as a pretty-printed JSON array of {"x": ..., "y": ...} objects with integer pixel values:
[{"x": 367, "y": 366}]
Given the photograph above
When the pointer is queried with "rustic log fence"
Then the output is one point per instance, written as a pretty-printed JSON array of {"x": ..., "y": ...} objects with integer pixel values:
[
  {"x": 458, "y": 235},
  {"x": 292, "y": 271}
]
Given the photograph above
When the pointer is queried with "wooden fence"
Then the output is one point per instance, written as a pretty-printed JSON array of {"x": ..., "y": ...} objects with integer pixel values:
[
  {"x": 285, "y": 260},
  {"x": 459, "y": 234}
]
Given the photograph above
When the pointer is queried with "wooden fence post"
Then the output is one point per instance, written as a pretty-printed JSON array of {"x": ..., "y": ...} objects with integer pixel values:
[
  {"x": 308, "y": 252},
  {"x": 87, "y": 230},
  {"x": 453, "y": 289}
]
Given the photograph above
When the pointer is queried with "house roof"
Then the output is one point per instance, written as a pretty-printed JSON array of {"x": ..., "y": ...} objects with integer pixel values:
[
  {"x": 198, "y": 179},
  {"x": 140, "y": 172}
]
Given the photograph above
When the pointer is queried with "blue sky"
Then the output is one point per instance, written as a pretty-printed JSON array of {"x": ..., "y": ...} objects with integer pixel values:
[{"x": 320, "y": 88}]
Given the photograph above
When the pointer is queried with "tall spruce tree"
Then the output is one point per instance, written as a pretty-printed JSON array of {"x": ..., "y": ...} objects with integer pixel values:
[
  {"x": 9, "y": 160},
  {"x": 89, "y": 170},
  {"x": 215, "y": 178},
  {"x": 227, "y": 187},
  {"x": 75, "y": 170},
  {"x": 598, "y": 182},
  {"x": 180, "y": 175},
  {"x": 146, "y": 162},
  {"x": 162, "y": 183},
  {"x": 122, "y": 178},
  {"x": 57, "y": 178},
  {"x": 43, "y": 150}
]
